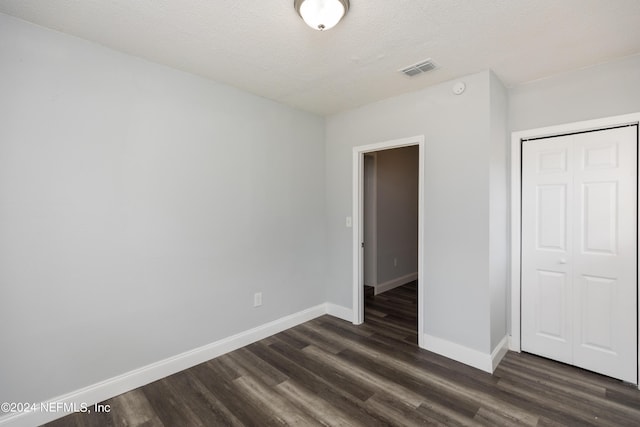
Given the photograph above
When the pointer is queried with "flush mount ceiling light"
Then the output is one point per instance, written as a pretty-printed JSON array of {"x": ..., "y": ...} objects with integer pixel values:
[{"x": 321, "y": 14}]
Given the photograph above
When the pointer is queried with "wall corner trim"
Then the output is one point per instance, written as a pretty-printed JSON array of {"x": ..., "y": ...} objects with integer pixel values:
[
  {"x": 512, "y": 346},
  {"x": 499, "y": 352},
  {"x": 339, "y": 311},
  {"x": 469, "y": 356},
  {"x": 139, "y": 377}
]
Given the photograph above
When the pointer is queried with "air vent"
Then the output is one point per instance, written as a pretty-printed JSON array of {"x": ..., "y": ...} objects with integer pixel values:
[{"x": 419, "y": 68}]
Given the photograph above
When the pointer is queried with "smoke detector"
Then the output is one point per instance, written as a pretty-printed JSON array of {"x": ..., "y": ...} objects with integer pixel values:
[
  {"x": 458, "y": 88},
  {"x": 419, "y": 68}
]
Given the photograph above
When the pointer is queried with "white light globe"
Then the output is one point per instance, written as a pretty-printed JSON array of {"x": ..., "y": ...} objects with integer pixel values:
[{"x": 322, "y": 14}]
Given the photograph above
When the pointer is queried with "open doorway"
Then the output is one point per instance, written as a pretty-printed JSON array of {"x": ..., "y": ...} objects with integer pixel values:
[
  {"x": 390, "y": 237},
  {"x": 395, "y": 258}
]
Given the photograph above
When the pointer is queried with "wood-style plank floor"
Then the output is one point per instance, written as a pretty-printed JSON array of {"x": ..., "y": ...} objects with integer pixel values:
[{"x": 329, "y": 372}]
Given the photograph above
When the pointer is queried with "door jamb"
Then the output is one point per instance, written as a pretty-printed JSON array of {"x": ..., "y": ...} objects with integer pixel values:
[
  {"x": 357, "y": 199},
  {"x": 516, "y": 178},
  {"x": 373, "y": 249}
]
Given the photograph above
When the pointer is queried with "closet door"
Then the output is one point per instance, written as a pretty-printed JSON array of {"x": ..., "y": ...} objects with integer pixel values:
[
  {"x": 547, "y": 246},
  {"x": 579, "y": 285}
]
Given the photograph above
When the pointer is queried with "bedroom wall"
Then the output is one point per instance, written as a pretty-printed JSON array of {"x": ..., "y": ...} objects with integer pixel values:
[
  {"x": 140, "y": 210},
  {"x": 498, "y": 197},
  {"x": 457, "y": 207},
  {"x": 602, "y": 90}
]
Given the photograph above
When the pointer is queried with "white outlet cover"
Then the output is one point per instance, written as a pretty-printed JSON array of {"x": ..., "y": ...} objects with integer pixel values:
[{"x": 459, "y": 87}]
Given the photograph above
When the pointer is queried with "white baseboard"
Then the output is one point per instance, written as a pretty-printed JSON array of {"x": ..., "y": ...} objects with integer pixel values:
[
  {"x": 513, "y": 346},
  {"x": 128, "y": 381},
  {"x": 499, "y": 352},
  {"x": 394, "y": 283},
  {"x": 340, "y": 312},
  {"x": 469, "y": 356}
]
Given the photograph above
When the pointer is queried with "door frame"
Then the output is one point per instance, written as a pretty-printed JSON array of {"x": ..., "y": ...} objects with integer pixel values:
[
  {"x": 372, "y": 249},
  {"x": 358, "y": 212},
  {"x": 516, "y": 200}
]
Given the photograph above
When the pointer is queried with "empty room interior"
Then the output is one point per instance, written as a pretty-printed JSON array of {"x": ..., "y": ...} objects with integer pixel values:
[{"x": 319, "y": 212}]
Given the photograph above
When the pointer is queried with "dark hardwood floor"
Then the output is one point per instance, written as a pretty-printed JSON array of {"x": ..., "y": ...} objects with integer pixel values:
[{"x": 329, "y": 372}]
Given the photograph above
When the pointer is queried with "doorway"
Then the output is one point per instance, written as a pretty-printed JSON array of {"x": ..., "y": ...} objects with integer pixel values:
[
  {"x": 359, "y": 229},
  {"x": 574, "y": 245},
  {"x": 390, "y": 241}
]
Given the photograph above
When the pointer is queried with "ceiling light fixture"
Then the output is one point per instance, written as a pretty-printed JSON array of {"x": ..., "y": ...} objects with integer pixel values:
[{"x": 321, "y": 14}]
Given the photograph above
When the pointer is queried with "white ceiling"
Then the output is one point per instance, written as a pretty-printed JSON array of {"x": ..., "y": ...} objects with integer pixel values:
[{"x": 262, "y": 46}]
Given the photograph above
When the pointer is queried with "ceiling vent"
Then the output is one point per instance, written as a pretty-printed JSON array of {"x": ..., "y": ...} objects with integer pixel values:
[{"x": 419, "y": 68}]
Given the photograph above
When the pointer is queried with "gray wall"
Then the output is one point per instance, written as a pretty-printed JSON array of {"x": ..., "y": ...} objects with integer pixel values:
[
  {"x": 498, "y": 235},
  {"x": 140, "y": 209},
  {"x": 599, "y": 91},
  {"x": 397, "y": 212},
  {"x": 457, "y": 200}
]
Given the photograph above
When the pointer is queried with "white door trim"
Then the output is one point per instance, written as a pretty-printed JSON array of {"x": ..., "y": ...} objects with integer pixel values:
[
  {"x": 358, "y": 171},
  {"x": 516, "y": 173}
]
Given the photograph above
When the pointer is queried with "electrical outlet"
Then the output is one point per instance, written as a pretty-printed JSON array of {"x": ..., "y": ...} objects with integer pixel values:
[
  {"x": 395, "y": 262},
  {"x": 257, "y": 299}
]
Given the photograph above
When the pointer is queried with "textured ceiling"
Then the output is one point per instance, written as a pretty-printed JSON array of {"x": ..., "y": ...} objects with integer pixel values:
[{"x": 263, "y": 46}]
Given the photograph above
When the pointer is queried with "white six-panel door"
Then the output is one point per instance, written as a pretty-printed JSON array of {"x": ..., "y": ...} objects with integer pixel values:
[{"x": 579, "y": 250}]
